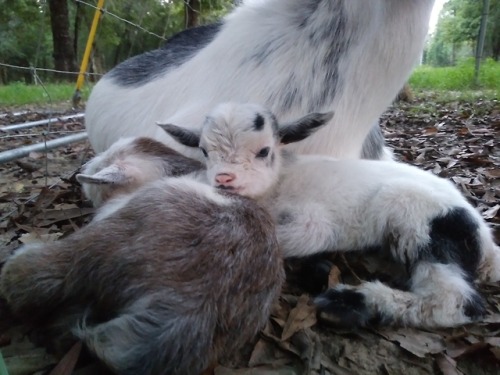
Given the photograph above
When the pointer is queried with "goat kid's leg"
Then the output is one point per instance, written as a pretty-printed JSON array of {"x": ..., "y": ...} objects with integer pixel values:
[
  {"x": 149, "y": 337},
  {"x": 439, "y": 296},
  {"x": 32, "y": 279}
]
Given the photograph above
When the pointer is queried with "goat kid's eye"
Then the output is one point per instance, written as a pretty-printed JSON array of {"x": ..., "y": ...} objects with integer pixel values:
[
  {"x": 205, "y": 153},
  {"x": 263, "y": 153}
]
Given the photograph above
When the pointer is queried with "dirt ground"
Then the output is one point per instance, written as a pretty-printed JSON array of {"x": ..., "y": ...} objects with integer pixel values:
[{"x": 40, "y": 199}]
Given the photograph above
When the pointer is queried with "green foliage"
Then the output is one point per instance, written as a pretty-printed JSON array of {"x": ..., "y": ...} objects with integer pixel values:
[
  {"x": 457, "y": 31},
  {"x": 17, "y": 94},
  {"x": 26, "y": 39},
  {"x": 456, "y": 78}
]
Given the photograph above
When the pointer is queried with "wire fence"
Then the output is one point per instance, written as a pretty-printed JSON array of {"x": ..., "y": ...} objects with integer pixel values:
[{"x": 58, "y": 125}]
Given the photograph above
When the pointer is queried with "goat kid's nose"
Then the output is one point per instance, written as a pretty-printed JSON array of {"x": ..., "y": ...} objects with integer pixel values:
[{"x": 225, "y": 178}]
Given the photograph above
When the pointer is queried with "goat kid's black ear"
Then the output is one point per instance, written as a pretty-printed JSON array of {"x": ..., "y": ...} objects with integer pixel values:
[
  {"x": 182, "y": 135},
  {"x": 303, "y": 127}
]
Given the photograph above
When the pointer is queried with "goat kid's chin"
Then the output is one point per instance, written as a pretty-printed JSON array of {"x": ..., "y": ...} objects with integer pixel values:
[
  {"x": 230, "y": 189},
  {"x": 243, "y": 191}
]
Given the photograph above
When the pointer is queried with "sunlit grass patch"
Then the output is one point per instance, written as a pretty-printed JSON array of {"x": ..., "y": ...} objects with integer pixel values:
[{"x": 17, "y": 94}]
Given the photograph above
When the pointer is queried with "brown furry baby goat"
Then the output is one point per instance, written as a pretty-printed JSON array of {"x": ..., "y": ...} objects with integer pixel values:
[{"x": 164, "y": 281}]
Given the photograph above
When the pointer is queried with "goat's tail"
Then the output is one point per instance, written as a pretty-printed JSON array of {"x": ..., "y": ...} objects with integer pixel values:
[
  {"x": 440, "y": 296},
  {"x": 151, "y": 339}
]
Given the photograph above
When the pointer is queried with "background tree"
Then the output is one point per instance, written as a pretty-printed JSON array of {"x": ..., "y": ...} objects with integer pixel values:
[
  {"x": 192, "y": 10},
  {"x": 480, "y": 40},
  {"x": 52, "y": 34},
  {"x": 25, "y": 39},
  {"x": 63, "y": 49},
  {"x": 457, "y": 32}
]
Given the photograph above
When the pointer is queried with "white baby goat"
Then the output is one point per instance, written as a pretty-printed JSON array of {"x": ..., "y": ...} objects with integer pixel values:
[{"x": 322, "y": 204}]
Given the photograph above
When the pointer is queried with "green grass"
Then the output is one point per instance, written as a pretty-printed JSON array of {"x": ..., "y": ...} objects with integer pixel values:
[
  {"x": 456, "y": 78},
  {"x": 18, "y": 94},
  {"x": 446, "y": 84},
  {"x": 3, "y": 368}
]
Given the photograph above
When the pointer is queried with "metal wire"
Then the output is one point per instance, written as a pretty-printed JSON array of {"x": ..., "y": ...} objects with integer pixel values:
[
  {"x": 104, "y": 11},
  {"x": 31, "y": 68}
]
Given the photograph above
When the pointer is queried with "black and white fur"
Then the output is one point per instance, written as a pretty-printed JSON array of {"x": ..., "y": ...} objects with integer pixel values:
[
  {"x": 165, "y": 281},
  {"x": 293, "y": 56},
  {"x": 323, "y": 204}
]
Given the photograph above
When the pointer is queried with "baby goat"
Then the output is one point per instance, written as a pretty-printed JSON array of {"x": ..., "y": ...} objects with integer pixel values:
[
  {"x": 171, "y": 279},
  {"x": 129, "y": 164},
  {"x": 322, "y": 204}
]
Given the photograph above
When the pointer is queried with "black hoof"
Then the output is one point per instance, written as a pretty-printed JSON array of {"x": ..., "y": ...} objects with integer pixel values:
[
  {"x": 344, "y": 308},
  {"x": 311, "y": 274}
]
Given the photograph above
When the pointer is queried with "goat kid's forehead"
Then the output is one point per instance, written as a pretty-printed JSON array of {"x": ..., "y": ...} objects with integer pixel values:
[{"x": 230, "y": 128}]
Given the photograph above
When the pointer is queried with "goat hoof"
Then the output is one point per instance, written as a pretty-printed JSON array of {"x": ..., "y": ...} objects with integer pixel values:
[{"x": 343, "y": 308}]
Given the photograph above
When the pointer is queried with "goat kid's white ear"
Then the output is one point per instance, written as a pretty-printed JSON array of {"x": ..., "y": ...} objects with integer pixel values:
[
  {"x": 302, "y": 128},
  {"x": 182, "y": 135},
  {"x": 107, "y": 176}
]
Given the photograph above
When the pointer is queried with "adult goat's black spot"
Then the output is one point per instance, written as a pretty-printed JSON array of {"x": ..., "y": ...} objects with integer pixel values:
[{"x": 144, "y": 68}]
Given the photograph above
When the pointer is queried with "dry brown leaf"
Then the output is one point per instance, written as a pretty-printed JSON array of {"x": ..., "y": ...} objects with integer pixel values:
[
  {"x": 334, "y": 277},
  {"x": 496, "y": 352},
  {"x": 53, "y": 216},
  {"x": 430, "y": 131},
  {"x": 67, "y": 364},
  {"x": 492, "y": 212},
  {"x": 419, "y": 343},
  {"x": 493, "y": 341},
  {"x": 447, "y": 365},
  {"x": 34, "y": 237},
  {"x": 301, "y": 317}
]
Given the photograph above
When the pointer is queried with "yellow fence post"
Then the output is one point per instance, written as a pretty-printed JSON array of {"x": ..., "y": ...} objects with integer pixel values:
[{"x": 86, "y": 56}]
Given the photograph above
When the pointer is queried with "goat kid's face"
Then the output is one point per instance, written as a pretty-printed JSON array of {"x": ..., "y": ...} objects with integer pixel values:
[
  {"x": 242, "y": 151},
  {"x": 242, "y": 145}
]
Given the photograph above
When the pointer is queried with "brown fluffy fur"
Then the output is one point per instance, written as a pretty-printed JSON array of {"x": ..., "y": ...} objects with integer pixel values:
[{"x": 164, "y": 285}]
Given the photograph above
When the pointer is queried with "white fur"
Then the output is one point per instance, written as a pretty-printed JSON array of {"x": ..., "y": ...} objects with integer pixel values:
[
  {"x": 323, "y": 204},
  {"x": 384, "y": 40}
]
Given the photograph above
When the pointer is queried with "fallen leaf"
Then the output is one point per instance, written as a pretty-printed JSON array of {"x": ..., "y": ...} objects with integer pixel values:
[
  {"x": 334, "y": 277},
  {"x": 67, "y": 364},
  {"x": 301, "y": 316},
  {"x": 492, "y": 212},
  {"x": 419, "y": 343},
  {"x": 33, "y": 237},
  {"x": 447, "y": 365}
]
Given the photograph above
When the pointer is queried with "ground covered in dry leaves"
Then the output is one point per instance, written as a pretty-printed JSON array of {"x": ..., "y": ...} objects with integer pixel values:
[{"x": 40, "y": 199}]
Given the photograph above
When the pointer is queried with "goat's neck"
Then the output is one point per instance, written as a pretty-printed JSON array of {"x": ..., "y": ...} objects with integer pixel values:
[{"x": 286, "y": 160}]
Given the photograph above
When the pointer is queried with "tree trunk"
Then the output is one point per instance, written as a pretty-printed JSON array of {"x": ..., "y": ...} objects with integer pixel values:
[
  {"x": 64, "y": 56},
  {"x": 76, "y": 32},
  {"x": 192, "y": 10},
  {"x": 480, "y": 40}
]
